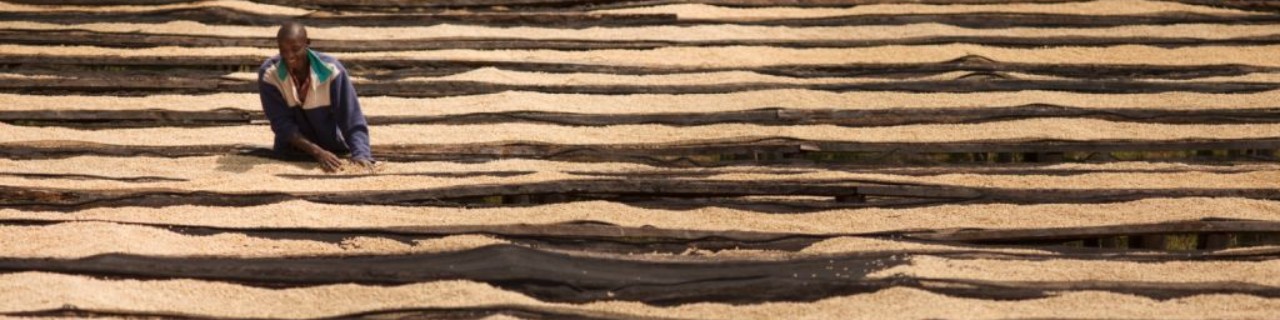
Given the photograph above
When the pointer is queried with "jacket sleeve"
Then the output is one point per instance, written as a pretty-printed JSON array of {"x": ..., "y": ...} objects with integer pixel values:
[
  {"x": 346, "y": 107},
  {"x": 275, "y": 108}
]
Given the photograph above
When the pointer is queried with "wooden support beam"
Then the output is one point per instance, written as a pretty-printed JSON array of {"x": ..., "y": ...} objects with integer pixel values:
[
  {"x": 564, "y": 277},
  {"x": 226, "y": 16},
  {"x": 408, "y": 67},
  {"x": 135, "y": 40},
  {"x": 771, "y": 116},
  {"x": 1151, "y": 235},
  {"x": 634, "y": 189},
  {"x": 143, "y": 85},
  {"x": 675, "y": 154}
]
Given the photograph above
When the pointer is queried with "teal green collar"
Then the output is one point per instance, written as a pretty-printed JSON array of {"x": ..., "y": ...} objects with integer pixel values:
[{"x": 322, "y": 72}]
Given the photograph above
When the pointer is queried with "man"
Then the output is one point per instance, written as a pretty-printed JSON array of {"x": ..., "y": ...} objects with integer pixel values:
[{"x": 311, "y": 104}]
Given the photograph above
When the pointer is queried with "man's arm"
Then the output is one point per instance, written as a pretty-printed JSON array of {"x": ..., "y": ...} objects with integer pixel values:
[
  {"x": 328, "y": 161},
  {"x": 350, "y": 118},
  {"x": 282, "y": 124}
]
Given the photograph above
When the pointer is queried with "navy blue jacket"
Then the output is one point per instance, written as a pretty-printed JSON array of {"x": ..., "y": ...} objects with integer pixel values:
[{"x": 330, "y": 118}]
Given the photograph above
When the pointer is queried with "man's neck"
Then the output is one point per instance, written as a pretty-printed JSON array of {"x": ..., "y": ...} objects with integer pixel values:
[{"x": 300, "y": 75}]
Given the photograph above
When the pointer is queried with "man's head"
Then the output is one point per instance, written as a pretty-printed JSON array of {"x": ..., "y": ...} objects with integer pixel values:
[{"x": 293, "y": 42}]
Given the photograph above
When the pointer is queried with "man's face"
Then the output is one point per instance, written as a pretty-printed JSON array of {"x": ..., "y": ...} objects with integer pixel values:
[{"x": 294, "y": 53}]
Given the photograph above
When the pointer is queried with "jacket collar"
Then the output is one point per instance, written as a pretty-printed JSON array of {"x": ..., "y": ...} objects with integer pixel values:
[{"x": 322, "y": 72}]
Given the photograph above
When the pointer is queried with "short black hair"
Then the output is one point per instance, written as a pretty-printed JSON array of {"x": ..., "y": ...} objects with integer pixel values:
[{"x": 290, "y": 30}]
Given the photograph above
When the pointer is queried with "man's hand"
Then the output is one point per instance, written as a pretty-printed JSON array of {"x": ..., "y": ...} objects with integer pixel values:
[
  {"x": 365, "y": 164},
  {"x": 328, "y": 161}
]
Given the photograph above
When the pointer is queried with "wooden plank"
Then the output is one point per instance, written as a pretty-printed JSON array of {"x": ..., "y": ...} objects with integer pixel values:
[
  {"x": 399, "y": 68},
  {"x": 546, "y": 275},
  {"x": 735, "y": 3},
  {"x": 1155, "y": 290},
  {"x": 636, "y": 153},
  {"x": 678, "y": 155},
  {"x": 532, "y": 310},
  {"x": 1048, "y": 146},
  {"x": 561, "y": 5},
  {"x": 514, "y": 311},
  {"x": 93, "y": 2},
  {"x": 138, "y": 179},
  {"x": 612, "y": 239},
  {"x": 606, "y": 238},
  {"x": 906, "y": 116},
  {"x": 136, "y": 40},
  {"x": 143, "y": 85},
  {"x": 572, "y": 278},
  {"x": 447, "y": 3},
  {"x": 993, "y": 20},
  {"x": 593, "y": 237},
  {"x": 1251, "y": 5},
  {"x": 132, "y": 118},
  {"x": 69, "y": 198},
  {"x": 71, "y": 148},
  {"x": 1010, "y": 169},
  {"x": 631, "y": 189},
  {"x": 567, "y": 5},
  {"x": 1016, "y": 235},
  {"x": 225, "y": 16},
  {"x": 771, "y": 116}
]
